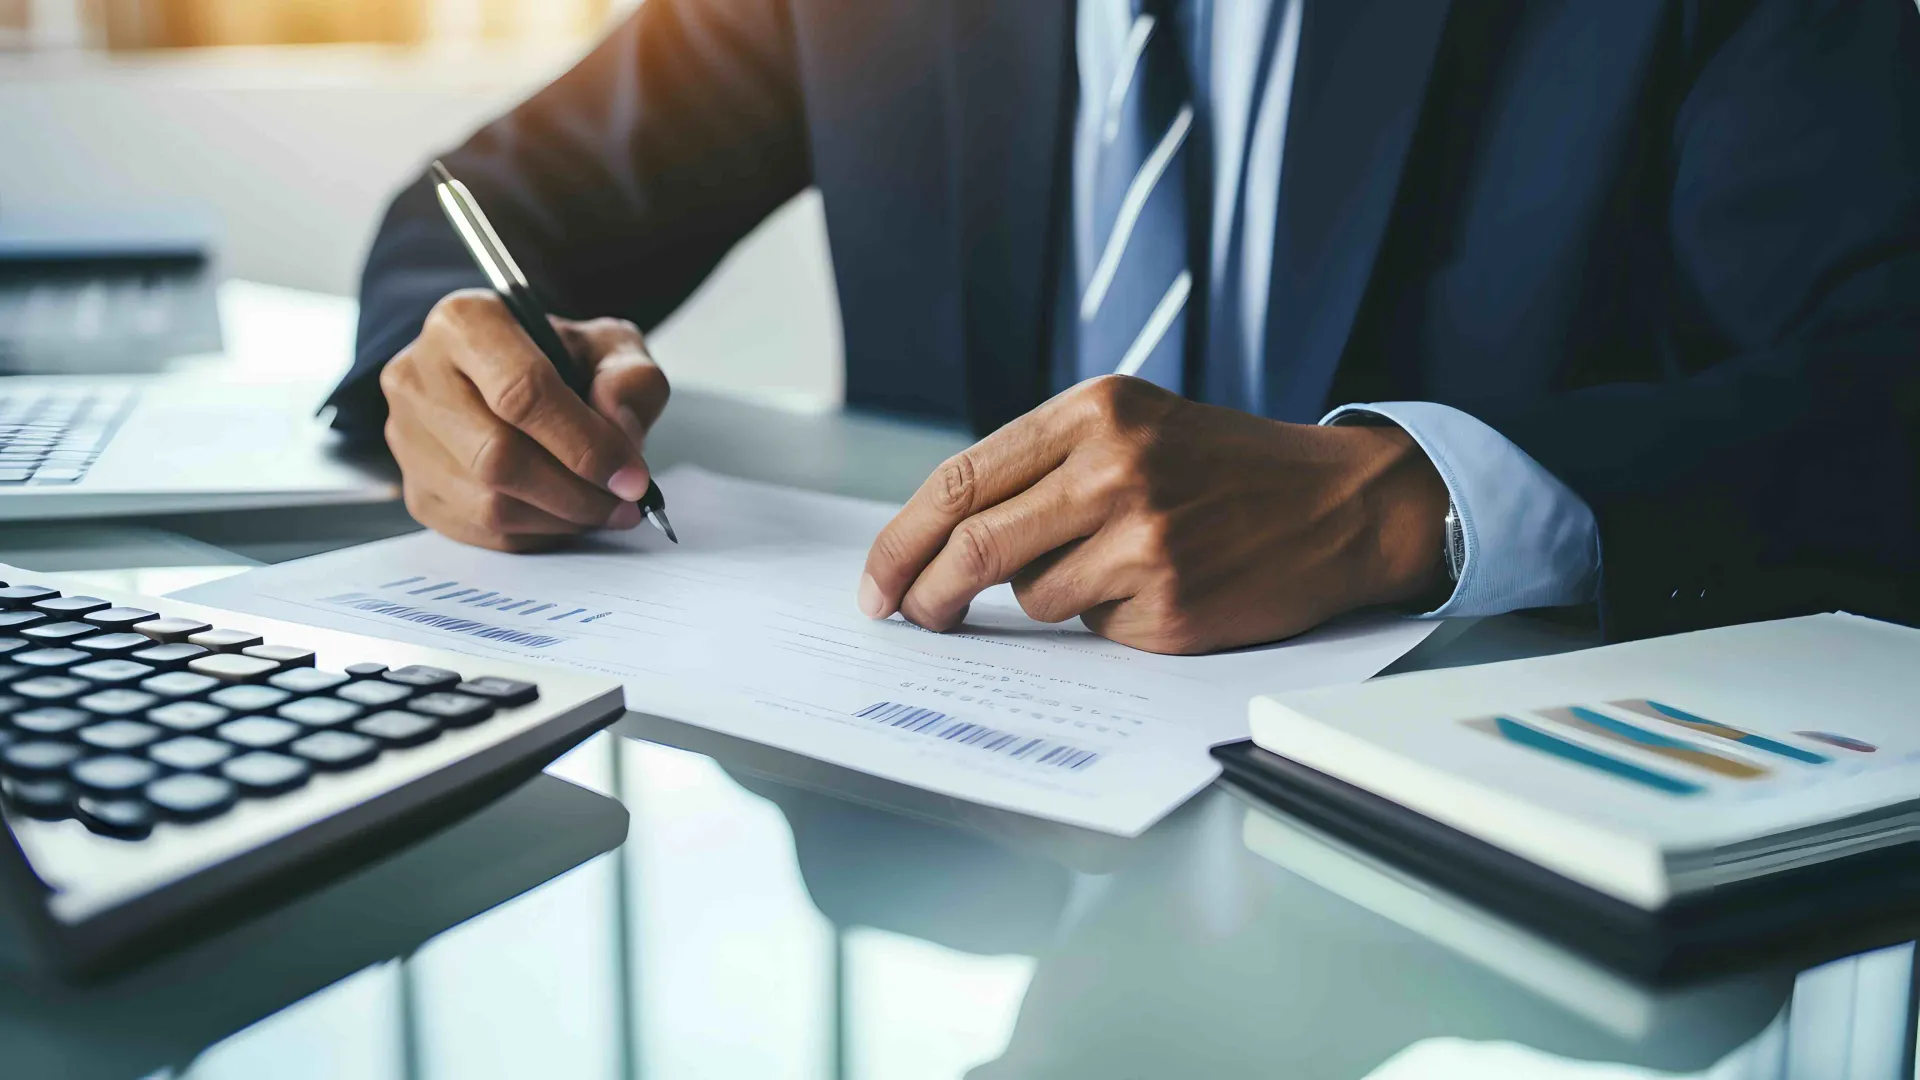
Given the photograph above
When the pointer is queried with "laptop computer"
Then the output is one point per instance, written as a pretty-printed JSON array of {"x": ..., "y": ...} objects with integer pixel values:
[
  {"x": 109, "y": 405},
  {"x": 93, "y": 446},
  {"x": 159, "y": 760}
]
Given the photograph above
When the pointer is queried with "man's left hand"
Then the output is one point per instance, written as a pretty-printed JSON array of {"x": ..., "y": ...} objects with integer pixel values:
[{"x": 1164, "y": 524}]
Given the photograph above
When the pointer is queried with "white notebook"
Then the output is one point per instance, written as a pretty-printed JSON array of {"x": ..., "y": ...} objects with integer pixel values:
[{"x": 1649, "y": 771}]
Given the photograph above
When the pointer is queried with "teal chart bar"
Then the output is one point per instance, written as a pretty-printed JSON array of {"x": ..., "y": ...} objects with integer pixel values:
[{"x": 1533, "y": 738}]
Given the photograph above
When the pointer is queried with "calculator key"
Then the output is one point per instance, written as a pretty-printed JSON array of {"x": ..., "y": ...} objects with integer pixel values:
[
  {"x": 179, "y": 684},
  {"x": 48, "y": 688},
  {"x": 119, "y": 618},
  {"x": 320, "y": 711},
  {"x": 112, "y": 672},
  {"x": 19, "y": 596},
  {"x": 128, "y": 819},
  {"x": 287, "y": 656},
  {"x": 248, "y": 697},
  {"x": 10, "y": 705},
  {"x": 113, "y": 774},
  {"x": 16, "y": 620},
  {"x": 307, "y": 680},
  {"x": 174, "y": 654},
  {"x": 190, "y": 753},
  {"x": 188, "y": 715},
  {"x": 120, "y": 735},
  {"x": 453, "y": 710},
  {"x": 259, "y": 732},
  {"x": 336, "y": 750},
  {"x": 225, "y": 641},
  {"x": 354, "y": 671},
  {"x": 10, "y": 672},
  {"x": 120, "y": 643},
  {"x": 58, "y": 633},
  {"x": 233, "y": 667},
  {"x": 51, "y": 720},
  {"x": 422, "y": 677},
  {"x": 38, "y": 757},
  {"x": 171, "y": 631},
  {"x": 70, "y": 607},
  {"x": 14, "y": 476},
  {"x": 47, "y": 798},
  {"x": 374, "y": 693},
  {"x": 11, "y": 645},
  {"x": 506, "y": 693},
  {"x": 262, "y": 773},
  {"x": 49, "y": 659},
  {"x": 117, "y": 702},
  {"x": 396, "y": 728},
  {"x": 189, "y": 797}
]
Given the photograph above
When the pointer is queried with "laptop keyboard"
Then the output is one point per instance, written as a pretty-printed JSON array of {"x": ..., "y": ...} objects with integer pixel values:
[
  {"x": 122, "y": 717},
  {"x": 54, "y": 436}
]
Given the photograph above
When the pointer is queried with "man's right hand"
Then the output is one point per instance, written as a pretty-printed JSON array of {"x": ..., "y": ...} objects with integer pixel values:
[{"x": 495, "y": 450}]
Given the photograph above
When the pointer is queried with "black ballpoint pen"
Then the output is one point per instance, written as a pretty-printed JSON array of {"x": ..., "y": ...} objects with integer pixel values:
[{"x": 494, "y": 261}]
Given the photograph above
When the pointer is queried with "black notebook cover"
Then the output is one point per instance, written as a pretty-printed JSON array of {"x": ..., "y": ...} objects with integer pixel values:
[{"x": 1815, "y": 913}]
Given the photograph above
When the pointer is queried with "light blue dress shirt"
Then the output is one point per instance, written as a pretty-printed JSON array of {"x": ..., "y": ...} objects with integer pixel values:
[{"x": 1530, "y": 541}]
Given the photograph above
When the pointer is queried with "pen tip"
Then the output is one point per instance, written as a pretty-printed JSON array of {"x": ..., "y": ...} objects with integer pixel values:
[{"x": 659, "y": 519}]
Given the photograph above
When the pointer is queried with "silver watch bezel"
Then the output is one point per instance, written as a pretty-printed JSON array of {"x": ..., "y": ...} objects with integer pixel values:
[{"x": 1455, "y": 544}]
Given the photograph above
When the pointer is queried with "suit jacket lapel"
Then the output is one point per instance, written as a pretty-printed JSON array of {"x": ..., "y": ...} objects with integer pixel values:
[
  {"x": 1012, "y": 65},
  {"x": 1358, "y": 89}
]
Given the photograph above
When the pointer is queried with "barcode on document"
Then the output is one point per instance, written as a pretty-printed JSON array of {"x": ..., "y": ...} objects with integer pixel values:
[
  {"x": 939, "y": 725},
  {"x": 451, "y": 623}
]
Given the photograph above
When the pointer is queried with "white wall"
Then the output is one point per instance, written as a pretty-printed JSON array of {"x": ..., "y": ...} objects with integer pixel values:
[{"x": 297, "y": 150}]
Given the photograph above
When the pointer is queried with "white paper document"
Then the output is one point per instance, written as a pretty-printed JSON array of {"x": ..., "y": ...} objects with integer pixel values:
[{"x": 749, "y": 627}]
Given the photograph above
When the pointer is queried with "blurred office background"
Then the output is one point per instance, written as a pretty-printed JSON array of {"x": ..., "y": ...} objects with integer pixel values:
[{"x": 291, "y": 122}]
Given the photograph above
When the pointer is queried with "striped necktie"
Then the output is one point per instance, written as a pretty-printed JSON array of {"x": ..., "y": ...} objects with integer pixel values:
[{"x": 1135, "y": 282}]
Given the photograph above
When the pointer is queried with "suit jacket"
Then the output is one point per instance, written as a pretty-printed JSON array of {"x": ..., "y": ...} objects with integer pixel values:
[{"x": 1670, "y": 248}]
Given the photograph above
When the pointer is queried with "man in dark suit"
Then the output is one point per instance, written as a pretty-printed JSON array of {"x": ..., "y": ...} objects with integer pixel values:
[{"x": 1274, "y": 309}]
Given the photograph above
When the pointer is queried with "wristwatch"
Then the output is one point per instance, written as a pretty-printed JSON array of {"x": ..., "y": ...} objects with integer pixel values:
[{"x": 1456, "y": 544}]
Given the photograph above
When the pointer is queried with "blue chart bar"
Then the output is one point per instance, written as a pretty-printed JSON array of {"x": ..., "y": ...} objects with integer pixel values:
[
  {"x": 1655, "y": 710},
  {"x": 455, "y": 592},
  {"x": 1533, "y": 738}
]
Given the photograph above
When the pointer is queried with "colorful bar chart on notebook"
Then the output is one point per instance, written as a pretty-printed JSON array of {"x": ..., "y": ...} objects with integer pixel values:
[
  {"x": 1607, "y": 727},
  {"x": 1654, "y": 710},
  {"x": 1514, "y": 731}
]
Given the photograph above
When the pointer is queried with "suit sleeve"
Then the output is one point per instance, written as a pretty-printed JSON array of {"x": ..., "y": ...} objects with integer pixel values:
[
  {"x": 617, "y": 188},
  {"x": 1776, "y": 469}
]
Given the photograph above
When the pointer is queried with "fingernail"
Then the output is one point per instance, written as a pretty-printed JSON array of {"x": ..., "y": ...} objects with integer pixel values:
[
  {"x": 630, "y": 483},
  {"x": 629, "y": 422},
  {"x": 872, "y": 604},
  {"x": 624, "y": 516}
]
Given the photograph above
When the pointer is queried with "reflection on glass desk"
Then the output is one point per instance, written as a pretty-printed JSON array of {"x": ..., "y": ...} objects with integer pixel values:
[
  {"x": 768, "y": 916},
  {"x": 166, "y": 1012}
]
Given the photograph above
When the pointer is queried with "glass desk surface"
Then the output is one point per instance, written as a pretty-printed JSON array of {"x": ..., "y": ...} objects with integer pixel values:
[{"x": 672, "y": 903}]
